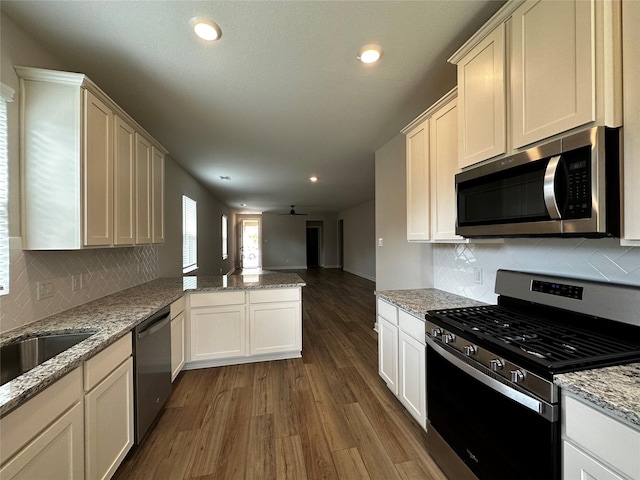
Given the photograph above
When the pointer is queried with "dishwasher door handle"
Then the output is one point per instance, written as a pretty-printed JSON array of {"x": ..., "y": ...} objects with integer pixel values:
[{"x": 154, "y": 327}]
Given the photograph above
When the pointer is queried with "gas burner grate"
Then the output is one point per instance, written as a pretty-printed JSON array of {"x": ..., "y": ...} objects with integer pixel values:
[{"x": 540, "y": 339}]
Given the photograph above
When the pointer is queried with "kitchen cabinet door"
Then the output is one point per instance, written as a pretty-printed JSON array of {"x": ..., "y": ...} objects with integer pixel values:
[
  {"x": 631, "y": 99},
  {"x": 98, "y": 172},
  {"x": 444, "y": 165},
  {"x": 275, "y": 327},
  {"x": 412, "y": 377},
  {"x": 552, "y": 69},
  {"x": 217, "y": 332},
  {"x": 124, "y": 183},
  {"x": 178, "y": 352},
  {"x": 109, "y": 422},
  {"x": 577, "y": 464},
  {"x": 143, "y": 191},
  {"x": 388, "y": 353},
  {"x": 157, "y": 195},
  {"x": 481, "y": 100},
  {"x": 55, "y": 453},
  {"x": 417, "y": 157}
]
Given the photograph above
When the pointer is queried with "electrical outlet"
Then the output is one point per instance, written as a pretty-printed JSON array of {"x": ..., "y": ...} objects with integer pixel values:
[
  {"x": 477, "y": 275},
  {"x": 76, "y": 282},
  {"x": 45, "y": 289},
  {"x": 84, "y": 280}
]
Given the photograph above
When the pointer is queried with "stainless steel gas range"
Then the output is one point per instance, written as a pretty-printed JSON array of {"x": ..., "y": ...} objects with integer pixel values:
[{"x": 492, "y": 406}]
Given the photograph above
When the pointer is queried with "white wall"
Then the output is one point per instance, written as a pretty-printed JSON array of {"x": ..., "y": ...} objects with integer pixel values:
[
  {"x": 179, "y": 182},
  {"x": 284, "y": 240},
  {"x": 399, "y": 264},
  {"x": 359, "y": 256}
]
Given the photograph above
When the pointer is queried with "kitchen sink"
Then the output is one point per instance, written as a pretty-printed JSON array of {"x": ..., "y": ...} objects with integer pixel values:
[{"x": 21, "y": 356}]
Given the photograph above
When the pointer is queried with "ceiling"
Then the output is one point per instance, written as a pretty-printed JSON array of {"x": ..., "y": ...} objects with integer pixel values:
[{"x": 279, "y": 98}]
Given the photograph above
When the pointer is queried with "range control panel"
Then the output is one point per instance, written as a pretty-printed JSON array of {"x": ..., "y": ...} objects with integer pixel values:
[{"x": 558, "y": 289}]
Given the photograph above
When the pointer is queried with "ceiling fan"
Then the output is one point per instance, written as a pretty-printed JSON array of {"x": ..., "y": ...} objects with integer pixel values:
[{"x": 292, "y": 212}]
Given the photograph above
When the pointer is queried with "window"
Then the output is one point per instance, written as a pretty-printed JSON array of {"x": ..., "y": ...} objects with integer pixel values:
[
  {"x": 6, "y": 95},
  {"x": 225, "y": 251},
  {"x": 189, "y": 235}
]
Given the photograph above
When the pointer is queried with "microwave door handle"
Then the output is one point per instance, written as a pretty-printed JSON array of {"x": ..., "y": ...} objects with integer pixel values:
[{"x": 549, "y": 190}]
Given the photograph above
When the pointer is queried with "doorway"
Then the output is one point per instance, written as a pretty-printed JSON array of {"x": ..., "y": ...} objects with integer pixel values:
[
  {"x": 313, "y": 247},
  {"x": 340, "y": 243},
  {"x": 250, "y": 251}
]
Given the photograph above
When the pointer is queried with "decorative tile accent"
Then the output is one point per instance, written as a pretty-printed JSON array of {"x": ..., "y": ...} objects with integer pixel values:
[
  {"x": 103, "y": 271},
  {"x": 592, "y": 259}
]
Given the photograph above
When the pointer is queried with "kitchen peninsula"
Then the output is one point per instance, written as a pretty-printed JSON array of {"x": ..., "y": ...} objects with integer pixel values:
[{"x": 114, "y": 316}]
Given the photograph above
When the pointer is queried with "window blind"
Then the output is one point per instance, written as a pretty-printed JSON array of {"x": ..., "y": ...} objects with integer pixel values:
[
  {"x": 189, "y": 234},
  {"x": 6, "y": 95}
]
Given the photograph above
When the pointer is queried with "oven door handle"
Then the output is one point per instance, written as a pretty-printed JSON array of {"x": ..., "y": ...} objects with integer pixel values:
[{"x": 546, "y": 410}]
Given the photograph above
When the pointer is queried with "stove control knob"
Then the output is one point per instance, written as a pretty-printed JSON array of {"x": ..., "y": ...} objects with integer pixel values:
[
  {"x": 436, "y": 332},
  {"x": 496, "y": 364},
  {"x": 449, "y": 338},
  {"x": 517, "y": 376},
  {"x": 470, "y": 350}
]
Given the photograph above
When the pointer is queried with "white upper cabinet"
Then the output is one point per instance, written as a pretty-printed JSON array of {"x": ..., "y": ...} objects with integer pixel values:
[
  {"x": 481, "y": 84},
  {"x": 124, "y": 183},
  {"x": 143, "y": 190},
  {"x": 78, "y": 156},
  {"x": 418, "y": 223},
  {"x": 555, "y": 66},
  {"x": 552, "y": 69},
  {"x": 157, "y": 195}
]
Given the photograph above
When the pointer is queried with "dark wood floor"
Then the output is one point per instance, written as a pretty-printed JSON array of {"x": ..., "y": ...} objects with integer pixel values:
[{"x": 327, "y": 415}]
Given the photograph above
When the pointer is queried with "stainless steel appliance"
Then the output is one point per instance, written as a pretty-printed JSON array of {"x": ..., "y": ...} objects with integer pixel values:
[
  {"x": 567, "y": 187},
  {"x": 152, "y": 369},
  {"x": 493, "y": 408}
]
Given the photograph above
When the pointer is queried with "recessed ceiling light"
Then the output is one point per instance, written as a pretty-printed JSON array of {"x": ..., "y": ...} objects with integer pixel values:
[
  {"x": 370, "y": 53},
  {"x": 243, "y": 204},
  {"x": 206, "y": 29},
  {"x": 313, "y": 179}
]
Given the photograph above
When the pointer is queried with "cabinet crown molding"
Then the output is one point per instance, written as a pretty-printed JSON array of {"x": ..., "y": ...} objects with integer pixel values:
[
  {"x": 499, "y": 17},
  {"x": 453, "y": 93}
]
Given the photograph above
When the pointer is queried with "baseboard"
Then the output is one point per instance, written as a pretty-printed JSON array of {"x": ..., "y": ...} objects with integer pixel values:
[
  {"x": 239, "y": 360},
  {"x": 360, "y": 274},
  {"x": 285, "y": 267}
]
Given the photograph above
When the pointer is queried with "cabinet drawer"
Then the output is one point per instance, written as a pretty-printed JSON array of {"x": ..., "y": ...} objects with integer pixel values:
[
  {"x": 388, "y": 312},
  {"x": 594, "y": 431},
  {"x": 577, "y": 464},
  {"x": 411, "y": 325},
  {"x": 216, "y": 298},
  {"x": 274, "y": 295},
  {"x": 24, "y": 423},
  {"x": 105, "y": 362},
  {"x": 178, "y": 306}
]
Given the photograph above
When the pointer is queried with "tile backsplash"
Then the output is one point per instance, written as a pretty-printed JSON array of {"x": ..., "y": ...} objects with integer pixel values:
[
  {"x": 101, "y": 271},
  {"x": 593, "y": 259}
]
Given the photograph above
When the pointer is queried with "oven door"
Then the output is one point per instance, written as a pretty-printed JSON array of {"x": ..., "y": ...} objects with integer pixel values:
[{"x": 498, "y": 432}]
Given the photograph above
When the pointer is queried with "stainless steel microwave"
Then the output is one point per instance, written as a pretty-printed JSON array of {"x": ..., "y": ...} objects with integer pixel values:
[{"x": 566, "y": 187}]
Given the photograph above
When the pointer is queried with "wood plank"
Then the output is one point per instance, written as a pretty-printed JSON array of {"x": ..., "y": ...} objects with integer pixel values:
[
  {"x": 349, "y": 464},
  {"x": 261, "y": 460},
  {"x": 290, "y": 459}
]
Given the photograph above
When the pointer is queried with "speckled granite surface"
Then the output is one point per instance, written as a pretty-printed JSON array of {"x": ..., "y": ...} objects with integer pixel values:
[
  {"x": 614, "y": 389},
  {"x": 419, "y": 301},
  {"x": 112, "y": 317}
]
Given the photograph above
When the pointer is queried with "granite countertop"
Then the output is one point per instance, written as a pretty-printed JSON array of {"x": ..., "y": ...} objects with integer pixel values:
[
  {"x": 419, "y": 301},
  {"x": 112, "y": 317},
  {"x": 616, "y": 390}
]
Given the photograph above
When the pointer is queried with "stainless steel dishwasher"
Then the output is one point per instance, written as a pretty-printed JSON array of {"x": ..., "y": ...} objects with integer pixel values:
[{"x": 152, "y": 368}]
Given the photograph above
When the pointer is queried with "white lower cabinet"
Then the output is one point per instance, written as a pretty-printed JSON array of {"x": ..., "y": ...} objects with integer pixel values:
[
  {"x": 595, "y": 445},
  {"x": 108, "y": 409},
  {"x": 229, "y": 327},
  {"x": 218, "y": 332},
  {"x": 44, "y": 438},
  {"x": 412, "y": 371},
  {"x": 178, "y": 337},
  {"x": 388, "y": 353},
  {"x": 402, "y": 358}
]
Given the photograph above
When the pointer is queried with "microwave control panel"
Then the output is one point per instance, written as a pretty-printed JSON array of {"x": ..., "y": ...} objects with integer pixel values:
[{"x": 578, "y": 186}]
